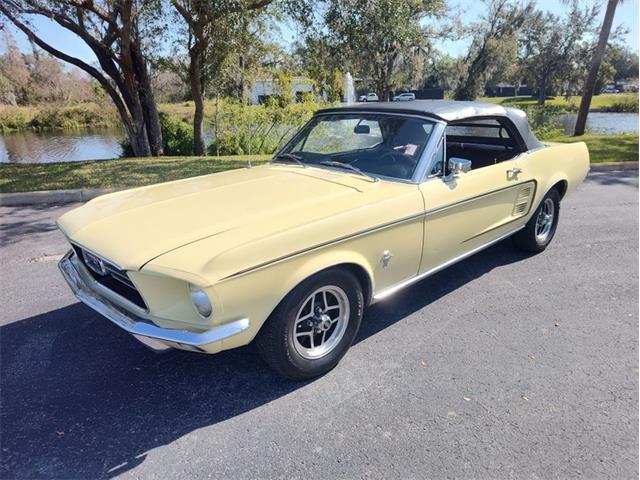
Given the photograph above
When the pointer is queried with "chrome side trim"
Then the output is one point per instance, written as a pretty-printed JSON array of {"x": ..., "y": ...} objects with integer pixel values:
[
  {"x": 137, "y": 326},
  {"x": 405, "y": 283}
]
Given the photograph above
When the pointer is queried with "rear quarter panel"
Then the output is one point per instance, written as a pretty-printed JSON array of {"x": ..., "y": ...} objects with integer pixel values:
[{"x": 566, "y": 162}]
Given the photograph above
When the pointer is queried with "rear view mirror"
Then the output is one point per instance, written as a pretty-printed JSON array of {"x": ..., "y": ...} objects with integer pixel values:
[{"x": 362, "y": 130}]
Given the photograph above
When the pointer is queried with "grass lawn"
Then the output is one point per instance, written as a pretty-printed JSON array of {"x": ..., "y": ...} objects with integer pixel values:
[
  {"x": 132, "y": 172},
  {"x": 607, "y": 148},
  {"x": 122, "y": 172},
  {"x": 604, "y": 100}
]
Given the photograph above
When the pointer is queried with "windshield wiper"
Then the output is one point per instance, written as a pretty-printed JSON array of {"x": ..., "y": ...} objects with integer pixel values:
[
  {"x": 333, "y": 163},
  {"x": 288, "y": 157}
]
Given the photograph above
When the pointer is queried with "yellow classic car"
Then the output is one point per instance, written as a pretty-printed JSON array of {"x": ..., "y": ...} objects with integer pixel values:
[{"x": 363, "y": 201}]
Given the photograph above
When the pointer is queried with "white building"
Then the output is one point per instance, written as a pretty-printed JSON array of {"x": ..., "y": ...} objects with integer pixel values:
[{"x": 262, "y": 89}]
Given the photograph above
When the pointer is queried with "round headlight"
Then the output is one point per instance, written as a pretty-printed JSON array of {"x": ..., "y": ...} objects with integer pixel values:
[{"x": 200, "y": 301}]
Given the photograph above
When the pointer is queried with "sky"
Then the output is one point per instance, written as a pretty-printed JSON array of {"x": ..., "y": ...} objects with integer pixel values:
[{"x": 626, "y": 15}]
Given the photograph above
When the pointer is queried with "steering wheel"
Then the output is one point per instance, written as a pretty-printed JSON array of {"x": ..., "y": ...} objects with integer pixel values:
[{"x": 396, "y": 164}]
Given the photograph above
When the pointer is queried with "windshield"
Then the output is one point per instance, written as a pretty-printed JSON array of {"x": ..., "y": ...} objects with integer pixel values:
[{"x": 375, "y": 144}]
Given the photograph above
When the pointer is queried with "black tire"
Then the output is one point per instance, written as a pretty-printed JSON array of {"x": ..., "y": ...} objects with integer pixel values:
[
  {"x": 527, "y": 238},
  {"x": 276, "y": 340}
]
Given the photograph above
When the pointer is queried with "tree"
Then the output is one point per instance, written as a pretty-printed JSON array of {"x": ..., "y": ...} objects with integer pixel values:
[
  {"x": 112, "y": 30},
  {"x": 490, "y": 35},
  {"x": 374, "y": 35},
  {"x": 37, "y": 77},
  {"x": 624, "y": 61},
  {"x": 606, "y": 74},
  {"x": 168, "y": 86},
  {"x": 213, "y": 28},
  {"x": 592, "y": 76},
  {"x": 553, "y": 48},
  {"x": 318, "y": 59},
  {"x": 443, "y": 71},
  {"x": 14, "y": 72}
]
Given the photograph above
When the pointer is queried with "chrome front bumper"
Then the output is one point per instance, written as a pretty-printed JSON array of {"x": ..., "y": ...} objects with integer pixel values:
[{"x": 151, "y": 335}]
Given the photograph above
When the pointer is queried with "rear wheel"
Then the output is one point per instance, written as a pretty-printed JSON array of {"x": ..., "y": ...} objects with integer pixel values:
[
  {"x": 314, "y": 326},
  {"x": 541, "y": 227}
]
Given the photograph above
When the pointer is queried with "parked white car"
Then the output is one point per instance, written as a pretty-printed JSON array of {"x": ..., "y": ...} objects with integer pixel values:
[
  {"x": 610, "y": 89},
  {"x": 404, "y": 97},
  {"x": 369, "y": 97}
]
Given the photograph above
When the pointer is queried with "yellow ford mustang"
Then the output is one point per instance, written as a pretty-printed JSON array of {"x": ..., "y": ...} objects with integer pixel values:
[{"x": 362, "y": 202}]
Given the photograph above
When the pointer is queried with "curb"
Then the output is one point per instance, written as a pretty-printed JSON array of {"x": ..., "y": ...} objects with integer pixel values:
[
  {"x": 609, "y": 166},
  {"x": 57, "y": 197},
  {"x": 61, "y": 197}
]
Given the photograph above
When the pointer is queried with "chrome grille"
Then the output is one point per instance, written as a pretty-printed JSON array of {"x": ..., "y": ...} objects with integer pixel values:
[
  {"x": 119, "y": 275},
  {"x": 110, "y": 276}
]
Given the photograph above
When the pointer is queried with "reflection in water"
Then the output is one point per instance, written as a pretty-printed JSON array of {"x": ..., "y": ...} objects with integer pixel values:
[
  {"x": 60, "y": 146},
  {"x": 600, "y": 122}
]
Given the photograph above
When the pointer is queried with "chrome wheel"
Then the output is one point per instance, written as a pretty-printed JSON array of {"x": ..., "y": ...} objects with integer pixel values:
[
  {"x": 544, "y": 222},
  {"x": 321, "y": 322}
]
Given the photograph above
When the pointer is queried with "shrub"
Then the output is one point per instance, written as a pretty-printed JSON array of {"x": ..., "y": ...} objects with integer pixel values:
[
  {"x": 625, "y": 105},
  {"x": 545, "y": 120},
  {"x": 177, "y": 137},
  {"x": 546, "y": 132},
  {"x": 52, "y": 117},
  {"x": 239, "y": 129},
  {"x": 14, "y": 118},
  {"x": 77, "y": 116}
]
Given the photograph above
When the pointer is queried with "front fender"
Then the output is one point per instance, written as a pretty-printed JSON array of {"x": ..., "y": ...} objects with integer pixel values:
[{"x": 269, "y": 285}]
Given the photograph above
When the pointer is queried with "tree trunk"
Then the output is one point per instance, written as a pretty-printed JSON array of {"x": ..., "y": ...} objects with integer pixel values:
[
  {"x": 386, "y": 93},
  {"x": 592, "y": 76},
  {"x": 130, "y": 85},
  {"x": 542, "y": 92},
  {"x": 468, "y": 87},
  {"x": 148, "y": 103},
  {"x": 195, "y": 76}
]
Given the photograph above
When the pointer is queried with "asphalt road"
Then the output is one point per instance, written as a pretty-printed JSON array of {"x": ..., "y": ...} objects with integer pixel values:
[{"x": 503, "y": 366}]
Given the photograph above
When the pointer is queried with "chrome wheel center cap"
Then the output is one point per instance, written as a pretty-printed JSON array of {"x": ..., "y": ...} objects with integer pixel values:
[
  {"x": 544, "y": 218},
  {"x": 322, "y": 322}
]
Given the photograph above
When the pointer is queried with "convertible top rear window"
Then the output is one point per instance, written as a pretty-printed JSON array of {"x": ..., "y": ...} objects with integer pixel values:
[
  {"x": 478, "y": 128},
  {"x": 375, "y": 144}
]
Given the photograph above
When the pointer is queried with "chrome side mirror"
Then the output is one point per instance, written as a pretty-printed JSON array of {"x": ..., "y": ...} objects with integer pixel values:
[
  {"x": 456, "y": 167},
  {"x": 459, "y": 165}
]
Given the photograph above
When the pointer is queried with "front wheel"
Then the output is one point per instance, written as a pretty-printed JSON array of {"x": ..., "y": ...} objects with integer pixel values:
[
  {"x": 541, "y": 227},
  {"x": 314, "y": 326}
]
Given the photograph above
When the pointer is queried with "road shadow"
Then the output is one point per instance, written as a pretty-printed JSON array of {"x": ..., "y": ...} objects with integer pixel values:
[
  {"x": 80, "y": 399},
  {"x": 627, "y": 178},
  {"x": 18, "y": 222}
]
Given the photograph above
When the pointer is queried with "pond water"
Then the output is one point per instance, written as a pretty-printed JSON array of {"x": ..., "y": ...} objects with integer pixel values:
[
  {"x": 60, "y": 146},
  {"x": 73, "y": 146},
  {"x": 601, "y": 122}
]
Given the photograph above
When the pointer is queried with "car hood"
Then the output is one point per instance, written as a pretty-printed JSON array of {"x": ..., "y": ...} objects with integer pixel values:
[{"x": 131, "y": 228}]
